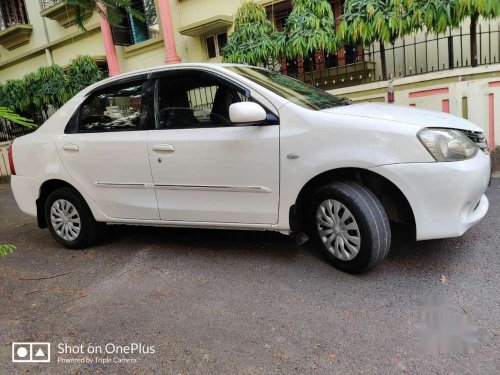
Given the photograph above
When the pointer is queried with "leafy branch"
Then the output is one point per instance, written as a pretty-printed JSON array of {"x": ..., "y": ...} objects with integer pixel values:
[
  {"x": 7, "y": 114},
  {"x": 111, "y": 10},
  {"x": 6, "y": 249}
]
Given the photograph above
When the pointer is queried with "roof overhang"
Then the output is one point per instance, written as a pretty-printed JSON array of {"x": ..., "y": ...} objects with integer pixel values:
[{"x": 208, "y": 26}]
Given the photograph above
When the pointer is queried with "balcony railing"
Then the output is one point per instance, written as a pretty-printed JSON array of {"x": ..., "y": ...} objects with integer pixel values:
[{"x": 46, "y": 4}]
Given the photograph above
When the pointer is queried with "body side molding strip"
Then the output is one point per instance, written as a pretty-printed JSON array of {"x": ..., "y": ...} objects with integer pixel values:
[{"x": 240, "y": 189}]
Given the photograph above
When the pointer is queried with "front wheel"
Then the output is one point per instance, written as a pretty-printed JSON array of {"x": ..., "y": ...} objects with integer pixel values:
[
  {"x": 350, "y": 225},
  {"x": 69, "y": 219}
]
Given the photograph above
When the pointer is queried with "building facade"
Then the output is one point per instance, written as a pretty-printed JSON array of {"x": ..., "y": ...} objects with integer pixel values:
[{"x": 35, "y": 33}]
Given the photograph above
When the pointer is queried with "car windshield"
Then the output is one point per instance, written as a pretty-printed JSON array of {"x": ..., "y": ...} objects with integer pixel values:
[{"x": 291, "y": 89}]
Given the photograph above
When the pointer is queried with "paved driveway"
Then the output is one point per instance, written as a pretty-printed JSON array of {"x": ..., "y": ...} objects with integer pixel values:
[{"x": 242, "y": 302}]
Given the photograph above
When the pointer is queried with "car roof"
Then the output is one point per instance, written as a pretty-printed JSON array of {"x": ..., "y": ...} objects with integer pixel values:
[{"x": 160, "y": 68}]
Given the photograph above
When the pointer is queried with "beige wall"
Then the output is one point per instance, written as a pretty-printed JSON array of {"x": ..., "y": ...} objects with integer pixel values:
[
  {"x": 23, "y": 67},
  {"x": 90, "y": 45}
]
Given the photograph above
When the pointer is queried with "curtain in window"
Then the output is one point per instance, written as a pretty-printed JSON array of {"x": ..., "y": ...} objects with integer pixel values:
[
  {"x": 138, "y": 28},
  {"x": 12, "y": 12}
]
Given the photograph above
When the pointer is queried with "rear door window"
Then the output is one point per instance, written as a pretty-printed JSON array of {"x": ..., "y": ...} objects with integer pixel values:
[{"x": 117, "y": 108}]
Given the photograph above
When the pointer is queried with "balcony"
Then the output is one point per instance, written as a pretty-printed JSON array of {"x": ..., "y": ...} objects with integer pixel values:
[
  {"x": 58, "y": 10},
  {"x": 356, "y": 73},
  {"x": 14, "y": 35},
  {"x": 15, "y": 28}
]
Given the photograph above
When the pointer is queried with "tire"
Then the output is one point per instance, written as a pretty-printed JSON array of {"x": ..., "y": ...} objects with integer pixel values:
[
  {"x": 83, "y": 229},
  {"x": 361, "y": 226}
]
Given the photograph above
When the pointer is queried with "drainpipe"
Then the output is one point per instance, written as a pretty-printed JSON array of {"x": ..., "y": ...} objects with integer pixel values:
[
  {"x": 167, "y": 28},
  {"x": 48, "y": 52},
  {"x": 109, "y": 46}
]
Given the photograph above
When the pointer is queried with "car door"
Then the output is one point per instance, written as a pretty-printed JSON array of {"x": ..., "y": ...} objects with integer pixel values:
[
  {"x": 206, "y": 169},
  {"x": 104, "y": 149}
]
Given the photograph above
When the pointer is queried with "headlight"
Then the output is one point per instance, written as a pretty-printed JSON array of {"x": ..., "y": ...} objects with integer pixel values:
[{"x": 447, "y": 144}]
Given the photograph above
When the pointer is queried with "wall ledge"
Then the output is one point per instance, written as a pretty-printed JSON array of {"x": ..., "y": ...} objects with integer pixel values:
[
  {"x": 420, "y": 80},
  {"x": 147, "y": 45}
]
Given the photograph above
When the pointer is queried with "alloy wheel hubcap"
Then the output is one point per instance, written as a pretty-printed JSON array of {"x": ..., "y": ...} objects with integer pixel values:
[
  {"x": 338, "y": 229},
  {"x": 65, "y": 220}
]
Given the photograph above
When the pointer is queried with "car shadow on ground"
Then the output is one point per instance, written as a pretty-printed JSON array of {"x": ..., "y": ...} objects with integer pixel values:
[{"x": 257, "y": 244}]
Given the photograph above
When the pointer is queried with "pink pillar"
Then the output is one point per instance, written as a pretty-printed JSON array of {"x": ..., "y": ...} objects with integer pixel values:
[
  {"x": 445, "y": 104},
  {"x": 109, "y": 46},
  {"x": 168, "y": 32},
  {"x": 491, "y": 121}
]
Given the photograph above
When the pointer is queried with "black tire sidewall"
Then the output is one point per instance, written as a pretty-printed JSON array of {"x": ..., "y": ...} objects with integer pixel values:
[
  {"x": 366, "y": 257},
  {"x": 87, "y": 222}
]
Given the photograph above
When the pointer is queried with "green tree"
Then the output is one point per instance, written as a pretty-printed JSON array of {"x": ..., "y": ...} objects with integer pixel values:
[
  {"x": 435, "y": 15},
  {"x": 309, "y": 28},
  {"x": 474, "y": 9},
  {"x": 82, "y": 72},
  {"x": 254, "y": 39},
  {"x": 439, "y": 15},
  {"x": 85, "y": 8},
  {"x": 48, "y": 87},
  {"x": 42, "y": 89},
  {"x": 12, "y": 94},
  {"x": 367, "y": 21}
]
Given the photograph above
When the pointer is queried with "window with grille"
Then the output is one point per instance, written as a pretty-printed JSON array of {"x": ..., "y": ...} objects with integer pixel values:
[
  {"x": 214, "y": 44},
  {"x": 12, "y": 12}
]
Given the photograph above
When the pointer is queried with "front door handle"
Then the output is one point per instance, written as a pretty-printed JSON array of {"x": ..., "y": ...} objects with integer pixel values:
[
  {"x": 70, "y": 147},
  {"x": 163, "y": 148}
]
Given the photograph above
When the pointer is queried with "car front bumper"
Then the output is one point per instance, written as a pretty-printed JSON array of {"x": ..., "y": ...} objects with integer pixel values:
[{"x": 447, "y": 198}]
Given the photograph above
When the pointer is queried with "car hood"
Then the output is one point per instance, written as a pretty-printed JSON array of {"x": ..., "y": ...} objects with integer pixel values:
[{"x": 405, "y": 115}]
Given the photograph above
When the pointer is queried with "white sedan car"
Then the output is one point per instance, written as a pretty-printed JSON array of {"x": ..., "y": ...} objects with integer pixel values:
[{"x": 239, "y": 147}]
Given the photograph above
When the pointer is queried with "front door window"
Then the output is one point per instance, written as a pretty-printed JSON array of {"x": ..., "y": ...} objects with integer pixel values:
[{"x": 199, "y": 100}]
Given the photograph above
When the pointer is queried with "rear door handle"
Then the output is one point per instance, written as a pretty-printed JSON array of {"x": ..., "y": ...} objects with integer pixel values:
[
  {"x": 70, "y": 147},
  {"x": 163, "y": 148}
]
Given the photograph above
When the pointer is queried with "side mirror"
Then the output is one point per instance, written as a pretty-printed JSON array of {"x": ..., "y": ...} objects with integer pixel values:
[{"x": 246, "y": 112}]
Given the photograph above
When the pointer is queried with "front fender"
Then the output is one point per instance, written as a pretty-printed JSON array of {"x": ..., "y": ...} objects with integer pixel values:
[{"x": 321, "y": 142}]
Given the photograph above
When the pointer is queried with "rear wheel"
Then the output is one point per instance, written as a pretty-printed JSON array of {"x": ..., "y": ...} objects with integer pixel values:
[
  {"x": 350, "y": 225},
  {"x": 69, "y": 219}
]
